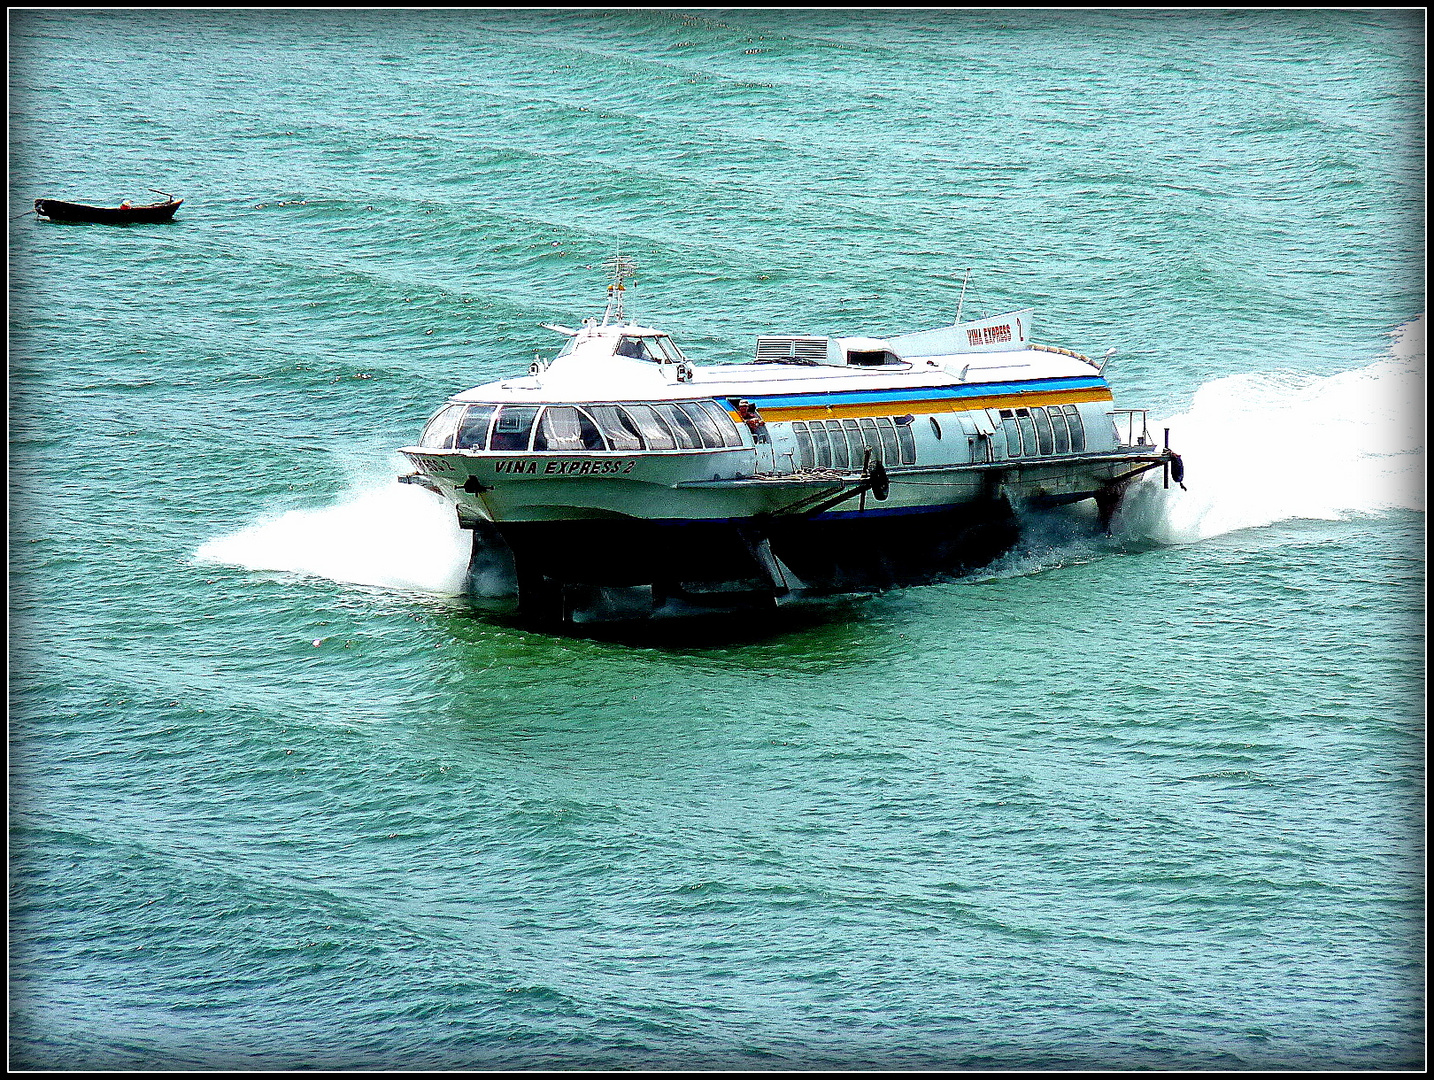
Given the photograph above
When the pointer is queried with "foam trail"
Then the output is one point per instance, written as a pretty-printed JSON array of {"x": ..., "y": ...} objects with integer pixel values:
[
  {"x": 1274, "y": 446},
  {"x": 396, "y": 537}
]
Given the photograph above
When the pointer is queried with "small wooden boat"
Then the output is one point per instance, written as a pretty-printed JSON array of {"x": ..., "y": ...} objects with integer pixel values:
[{"x": 124, "y": 214}]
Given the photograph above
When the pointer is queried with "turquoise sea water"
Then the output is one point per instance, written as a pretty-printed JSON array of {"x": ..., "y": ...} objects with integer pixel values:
[{"x": 279, "y": 799}]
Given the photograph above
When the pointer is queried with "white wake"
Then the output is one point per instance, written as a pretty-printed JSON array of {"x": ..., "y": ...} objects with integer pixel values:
[{"x": 1281, "y": 445}]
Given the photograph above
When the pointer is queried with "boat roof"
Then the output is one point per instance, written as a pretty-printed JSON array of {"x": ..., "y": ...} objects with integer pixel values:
[{"x": 591, "y": 369}]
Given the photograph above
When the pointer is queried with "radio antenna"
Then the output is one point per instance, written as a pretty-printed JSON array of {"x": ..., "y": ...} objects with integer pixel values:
[
  {"x": 962, "y": 302},
  {"x": 620, "y": 270}
]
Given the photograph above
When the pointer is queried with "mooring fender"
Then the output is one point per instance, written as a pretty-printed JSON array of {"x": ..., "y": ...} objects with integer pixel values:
[{"x": 880, "y": 482}]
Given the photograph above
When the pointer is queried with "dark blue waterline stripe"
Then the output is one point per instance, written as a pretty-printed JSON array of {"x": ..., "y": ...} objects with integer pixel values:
[{"x": 870, "y": 511}]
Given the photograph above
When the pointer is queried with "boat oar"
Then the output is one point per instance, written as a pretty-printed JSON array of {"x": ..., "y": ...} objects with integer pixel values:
[
  {"x": 17, "y": 217},
  {"x": 166, "y": 194}
]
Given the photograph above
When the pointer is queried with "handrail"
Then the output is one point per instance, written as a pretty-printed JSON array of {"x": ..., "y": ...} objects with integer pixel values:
[
  {"x": 1129, "y": 415},
  {"x": 1065, "y": 352}
]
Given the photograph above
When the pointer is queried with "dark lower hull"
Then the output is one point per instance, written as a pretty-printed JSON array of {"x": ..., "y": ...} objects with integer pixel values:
[
  {"x": 56, "y": 210},
  {"x": 602, "y": 572}
]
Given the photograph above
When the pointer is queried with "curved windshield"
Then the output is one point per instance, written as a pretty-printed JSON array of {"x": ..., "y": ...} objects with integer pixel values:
[
  {"x": 659, "y": 425},
  {"x": 659, "y": 349},
  {"x": 668, "y": 348},
  {"x": 438, "y": 432}
]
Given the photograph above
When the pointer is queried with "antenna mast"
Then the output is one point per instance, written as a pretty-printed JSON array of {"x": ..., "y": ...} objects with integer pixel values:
[
  {"x": 620, "y": 270},
  {"x": 962, "y": 302}
]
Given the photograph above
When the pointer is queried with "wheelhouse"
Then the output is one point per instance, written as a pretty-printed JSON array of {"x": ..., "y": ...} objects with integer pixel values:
[{"x": 634, "y": 342}]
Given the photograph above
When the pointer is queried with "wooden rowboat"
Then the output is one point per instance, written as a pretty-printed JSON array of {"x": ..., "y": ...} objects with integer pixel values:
[{"x": 56, "y": 210}]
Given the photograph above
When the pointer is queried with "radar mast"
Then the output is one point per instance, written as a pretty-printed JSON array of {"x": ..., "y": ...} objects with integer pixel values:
[{"x": 620, "y": 269}]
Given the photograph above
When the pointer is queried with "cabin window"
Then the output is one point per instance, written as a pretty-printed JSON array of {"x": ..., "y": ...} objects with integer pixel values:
[
  {"x": 806, "y": 457},
  {"x": 620, "y": 431},
  {"x": 871, "y": 438},
  {"x": 905, "y": 440},
  {"x": 473, "y": 429},
  {"x": 706, "y": 426},
  {"x": 820, "y": 446},
  {"x": 837, "y": 438},
  {"x": 666, "y": 348},
  {"x": 1028, "y": 432},
  {"x": 1043, "y": 431},
  {"x": 723, "y": 419},
  {"x": 632, "y": 347},
  {"x": 890, "y": 449},
  {"x": 513, "y": 427},
  {"x": 438, "y": 433},
  {"x": 855, "y": 444},
  {"x": 1012, "y": 433},
  {"x": 1059, "y": 428},
  {"x": 1077, "y": 428},
  {"x": 654, "y": 430},
  {"x": 871, "y": 357},
  {"x": 935, "y": 427},
  {"x": 566, "y": 428},
  {"x": 688, "y": 437}
]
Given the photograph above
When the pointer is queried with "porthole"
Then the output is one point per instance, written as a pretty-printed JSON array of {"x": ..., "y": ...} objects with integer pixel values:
[{"x": 935, "y": 427}]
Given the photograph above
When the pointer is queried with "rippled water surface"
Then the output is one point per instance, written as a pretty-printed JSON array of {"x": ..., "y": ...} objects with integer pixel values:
[{"x": 281, "y": 799}]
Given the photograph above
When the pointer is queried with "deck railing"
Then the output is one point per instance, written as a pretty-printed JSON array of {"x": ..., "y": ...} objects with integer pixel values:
[{"x": 1130, "y": 415}]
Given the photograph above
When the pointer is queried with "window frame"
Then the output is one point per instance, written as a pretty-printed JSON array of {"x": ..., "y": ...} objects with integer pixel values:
[
  {"x": 1077, "y": 428},
  {"x": 1060, "y": 429},
  {"x": 836, "y": 437},
  {"x": 532, "y": 424},
  {"x": 905, "y": 439},
  {"x": 477, "y": 444},
  {"x": 1045, "y": 437},
  {"x": 806, "y": 452},
  {"x": 454, "y": 411},
  {"x": 542, "y": 419}
]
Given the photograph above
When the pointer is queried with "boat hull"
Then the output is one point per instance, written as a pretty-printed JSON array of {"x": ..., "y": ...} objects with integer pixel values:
[
  {"x": 713, "y": 488},
  {"x": 614, "y": 546},
  {"x": 56, "y": 210}
]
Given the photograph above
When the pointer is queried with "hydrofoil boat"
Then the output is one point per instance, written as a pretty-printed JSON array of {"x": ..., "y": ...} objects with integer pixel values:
[{"x": 622, "y": 480}]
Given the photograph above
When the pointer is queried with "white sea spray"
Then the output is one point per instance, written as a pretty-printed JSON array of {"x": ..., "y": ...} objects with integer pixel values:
[
  {"x": 390, "y": 535},
  {"x": 1265, "y": 447}
]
